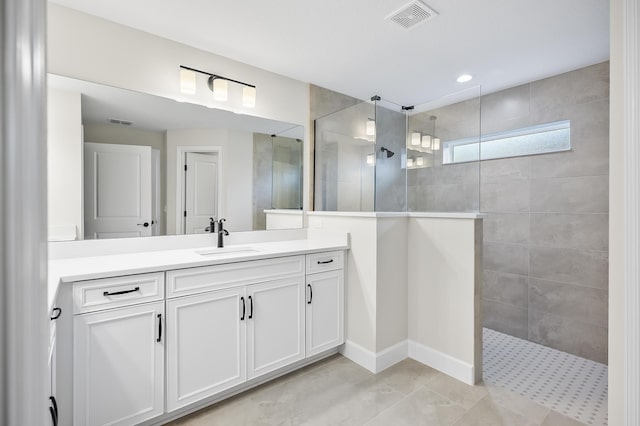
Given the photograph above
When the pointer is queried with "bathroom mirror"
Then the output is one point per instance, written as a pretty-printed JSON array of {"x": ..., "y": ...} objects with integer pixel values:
[{"x": 128, "y": 164}]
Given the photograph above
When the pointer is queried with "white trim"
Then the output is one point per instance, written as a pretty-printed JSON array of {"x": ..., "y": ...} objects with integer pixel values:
[
  {"x": 375, "y": 362},
  {"x": 361, "y": 356},
  {"x": 180, "y": 161},
  {"x": 440, "y": 361},
  {"x": 392, "y": 355},
  {"x": 631, "y": 139}
]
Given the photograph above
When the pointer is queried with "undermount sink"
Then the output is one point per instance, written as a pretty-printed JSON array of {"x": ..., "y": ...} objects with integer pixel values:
[{"x": 210, "y": 252}]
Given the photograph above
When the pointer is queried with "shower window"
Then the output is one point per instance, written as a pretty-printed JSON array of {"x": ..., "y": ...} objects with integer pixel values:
[{"x": 540, "y": 139}]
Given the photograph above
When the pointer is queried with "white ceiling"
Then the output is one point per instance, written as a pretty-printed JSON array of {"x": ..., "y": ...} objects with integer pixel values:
[{"x": 347, "y": 46}]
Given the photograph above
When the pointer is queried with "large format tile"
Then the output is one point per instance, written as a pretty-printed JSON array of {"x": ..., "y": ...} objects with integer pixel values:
[
  {"x": 584, "y": 304},
  {"x": 570, "y": 164},
  {"x": 497, "y": 171},
  {"x": 505, "y": 196},
  {"x": 488, "y": 413},
  {"x": 519, "y": 404},
  {"x": 505, "y": 288},
  {"x": 588, "y": 194},
  {"x": 501, "y": 109},
  {"x": 508, "y": 319},
  {"x": 578, "y": 338},
  {"x": 407, "y": 376},
  {"x": 455, "y": 390},
  {"x": 507, "y": 227},
  {"x": 580, "y": 231},
  {"x": 503, "y": 257},
  {"x": 557, "y": 419},
  {"x": 581, "y": 267},
  {"x": 422, "y": 407},
  {"x": 455, "y": 198}
]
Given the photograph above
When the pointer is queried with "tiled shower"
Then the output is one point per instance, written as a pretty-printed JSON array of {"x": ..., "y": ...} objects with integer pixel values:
[{"x": 546, "y": 232}]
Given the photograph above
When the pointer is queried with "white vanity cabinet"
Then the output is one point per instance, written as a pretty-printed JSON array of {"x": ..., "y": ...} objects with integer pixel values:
[
  {"x": 118, "y": 370},
  {"x": 231, "y": 323},
  {"x": 324, "y": 302}
]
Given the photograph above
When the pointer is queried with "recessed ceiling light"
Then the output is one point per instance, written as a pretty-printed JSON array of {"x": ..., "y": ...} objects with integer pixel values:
[{"x": 464, "y": 78}]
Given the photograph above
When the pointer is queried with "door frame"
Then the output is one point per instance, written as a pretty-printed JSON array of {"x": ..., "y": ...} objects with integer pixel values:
[{"x": 181, "y": 152}]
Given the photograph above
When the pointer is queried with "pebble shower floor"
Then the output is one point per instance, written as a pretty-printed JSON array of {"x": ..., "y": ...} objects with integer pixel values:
[{"x": 568, "y": 384}]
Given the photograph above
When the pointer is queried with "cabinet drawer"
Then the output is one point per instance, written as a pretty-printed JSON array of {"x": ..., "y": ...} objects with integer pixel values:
[
  {"x": 182, "y": 282},
  {"x": 329, "y": 261},
  {"x": 106, "y": 293}
]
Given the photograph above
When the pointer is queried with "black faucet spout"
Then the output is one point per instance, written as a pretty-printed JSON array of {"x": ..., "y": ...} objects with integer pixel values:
[{"x": 221, "y": 232}]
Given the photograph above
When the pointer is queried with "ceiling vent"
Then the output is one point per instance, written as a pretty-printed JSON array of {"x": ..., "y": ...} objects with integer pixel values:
[
  {"x": 412, "y": 14},
  {"x": 122, "y": 122}
]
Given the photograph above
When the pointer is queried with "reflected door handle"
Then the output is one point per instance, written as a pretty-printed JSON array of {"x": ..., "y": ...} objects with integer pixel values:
[{"x": 144, "y": 224}]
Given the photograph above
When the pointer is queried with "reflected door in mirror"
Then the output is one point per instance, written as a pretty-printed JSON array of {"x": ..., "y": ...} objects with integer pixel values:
[
  {"x": 117, "y": 191},
  {"x": 201, "y": 199}
]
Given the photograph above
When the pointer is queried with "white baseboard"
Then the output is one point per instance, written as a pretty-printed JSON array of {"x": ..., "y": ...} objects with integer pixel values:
[
  {"x": 375, "y": 362},
  {"x": 442, "y": 362}
]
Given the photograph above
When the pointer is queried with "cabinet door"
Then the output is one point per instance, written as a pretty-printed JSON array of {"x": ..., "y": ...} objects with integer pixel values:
[
  {"x": 205, "y": 345},
  {"x": 118, "y": 365},
  {"x": 325, "y": 311},
  {"x": 275, "y": 335}
]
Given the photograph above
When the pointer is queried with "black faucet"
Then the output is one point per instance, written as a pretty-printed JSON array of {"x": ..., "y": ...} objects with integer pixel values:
[
  {"x": 212, "y": 226},
  {"x": 221, "y": 233}
]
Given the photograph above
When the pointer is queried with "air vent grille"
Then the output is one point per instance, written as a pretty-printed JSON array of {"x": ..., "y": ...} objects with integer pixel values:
[
  {"x": 412, "y": 14},
  {"x": 122, "y": 122}
]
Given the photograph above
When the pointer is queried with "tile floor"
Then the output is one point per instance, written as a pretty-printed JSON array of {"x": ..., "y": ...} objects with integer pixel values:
[
  {"x": 337, "y": 391},
  {"x": 574, "y": 386}
]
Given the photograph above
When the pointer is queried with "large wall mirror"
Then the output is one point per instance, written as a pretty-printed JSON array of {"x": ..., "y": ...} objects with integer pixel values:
[{"x": 129, "y": 164}]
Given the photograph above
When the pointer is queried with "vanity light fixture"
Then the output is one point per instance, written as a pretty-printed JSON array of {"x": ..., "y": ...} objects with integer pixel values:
[
  {"x": 426, "y": 141},
  {"x": 420, "y": 161},
  {"x": 371, "y": 159},
  {"x": 464, "y": 78},
  {"x": 218, "y": 84},
  {"x": 436, "y": 144},
  {"x": 409, "y": 162},
  {"x": 371, "y": 127},
  {"x": 415, "y": 138}
]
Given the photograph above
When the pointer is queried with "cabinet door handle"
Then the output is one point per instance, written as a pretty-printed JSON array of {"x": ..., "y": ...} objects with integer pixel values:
[
  {"x": 159, "y": 339},
  {"x": 310, "y": 294},
  {"x": 251, "y": 306},
  {"x": 55, "y": 313},
  {"x": 324, "y": 262},
  {"x": 54, "y": 404},
  {"x": 115, "y": 293},
  {"x": 244, "y": 308},
  {"x": 54, "y": 418}
]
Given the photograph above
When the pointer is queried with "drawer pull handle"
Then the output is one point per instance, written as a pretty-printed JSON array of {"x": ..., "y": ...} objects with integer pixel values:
[
  {"x": 244, "y": 309},
  {"x": 251, "y": 305},
  {"x": 55, "y": 313},
  {"x": 54, "y": 404},
  {"x": 159, "y": 339},
  {"x": 54, "y": 418},
  {"x": 115, "y": 293},
  {"x": 310, "y": 294},
  {"x": 324, "y": 262}
]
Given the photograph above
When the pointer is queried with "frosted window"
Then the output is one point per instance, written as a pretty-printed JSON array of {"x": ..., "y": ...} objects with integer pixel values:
[{"x": 544, "y": 138}]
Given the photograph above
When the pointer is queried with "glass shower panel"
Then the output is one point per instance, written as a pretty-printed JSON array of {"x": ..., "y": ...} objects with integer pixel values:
[
  {"x": 345, "y": 156},
  {"x": 390, "y": 170},
  {"x": 435, "y": 182},
  {"x": 286, "y": 173}
]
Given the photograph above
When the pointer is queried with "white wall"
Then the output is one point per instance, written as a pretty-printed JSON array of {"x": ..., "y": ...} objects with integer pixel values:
[
  {"x": 236, "y": 162},
  {"x": 64, "y": 161},
  {"x": 616, "y": 222},
  {"x": 444, "y": 271}
]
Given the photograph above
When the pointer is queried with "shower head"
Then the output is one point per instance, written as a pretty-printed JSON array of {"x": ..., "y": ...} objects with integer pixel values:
[{"x": 389, "y": 153}]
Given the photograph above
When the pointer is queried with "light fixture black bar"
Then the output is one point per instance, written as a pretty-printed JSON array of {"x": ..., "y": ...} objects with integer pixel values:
[{"x": 217, "y": 76}]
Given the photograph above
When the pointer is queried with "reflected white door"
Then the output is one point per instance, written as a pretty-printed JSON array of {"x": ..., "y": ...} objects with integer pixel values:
[
  {"x": 117, "y": 191},
  {"x": 201, "y": 200}
]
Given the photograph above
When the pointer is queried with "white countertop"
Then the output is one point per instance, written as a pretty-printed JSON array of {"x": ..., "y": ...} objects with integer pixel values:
[
  {"x": 86, "y": 268},
  {"x": 433, "y": 215}
]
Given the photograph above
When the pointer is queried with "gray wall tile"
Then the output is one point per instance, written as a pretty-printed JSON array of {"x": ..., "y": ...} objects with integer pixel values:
[
  {"x": 505, "y": 196},
  {"x": 584, "y": 304},
  {"x": 581, "y": 267},
  {"x": 509, "y": 258},
  {"x": 579, "y": 231},
  {"x": 505, "y": 288},
  {"x": 505, "y": 318},
  {"x": 589, "y": 194},
  {"x": 585, "y": 340},
  {"x": 570, "y": 164},
  {"x": 507, "y": 227},
  {"x": 496, "y": 171}
]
